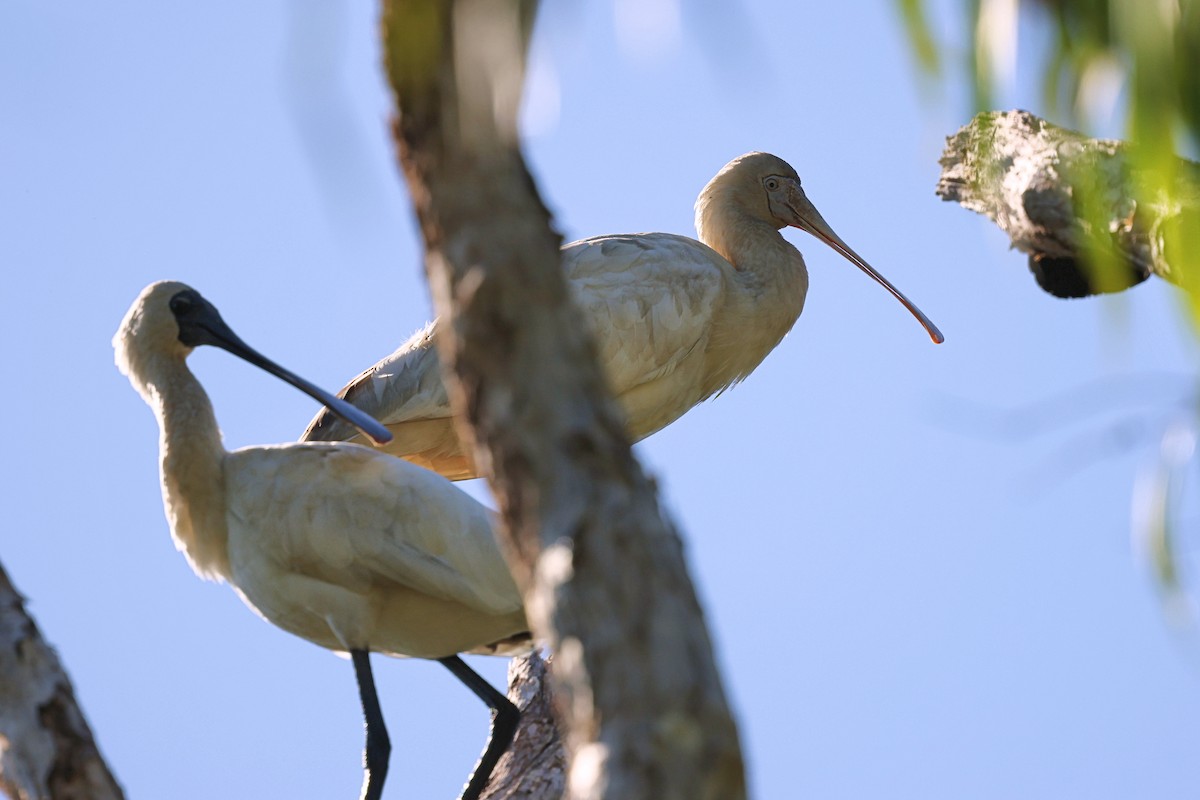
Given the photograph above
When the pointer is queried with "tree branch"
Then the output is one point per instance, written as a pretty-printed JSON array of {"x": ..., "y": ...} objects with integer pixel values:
[
  {"x": 46, "y": 747},
  {"x": 602, "y": 568},
  {"x": 1087, "y": 211},
  {"x": 535, "y": 765}
]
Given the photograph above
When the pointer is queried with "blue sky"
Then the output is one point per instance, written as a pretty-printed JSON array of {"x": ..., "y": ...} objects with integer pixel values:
[{"x": 916, "y": 589}]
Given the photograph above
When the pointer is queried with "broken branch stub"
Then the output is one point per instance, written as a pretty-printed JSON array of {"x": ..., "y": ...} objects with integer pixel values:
[{"x": 1090, "y": 213}]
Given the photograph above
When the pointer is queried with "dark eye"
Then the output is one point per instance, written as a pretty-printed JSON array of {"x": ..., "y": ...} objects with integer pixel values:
[
  {"x": 771, "y": 183},
  {"x": 181, "y": 303}
]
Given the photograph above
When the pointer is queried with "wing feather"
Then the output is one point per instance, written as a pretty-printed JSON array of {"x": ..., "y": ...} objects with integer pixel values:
[
  {"x": 347, "y": 515},
  {"x": 649, "y": 299},
  {"x": 406, "y": 385}
]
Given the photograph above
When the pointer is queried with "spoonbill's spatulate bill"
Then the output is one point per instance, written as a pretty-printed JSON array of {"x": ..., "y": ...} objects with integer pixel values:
[
  {"x": 201, "y": 323},
  {"x": 348, "y": 547},
  {"x": 675, "y": 320}
]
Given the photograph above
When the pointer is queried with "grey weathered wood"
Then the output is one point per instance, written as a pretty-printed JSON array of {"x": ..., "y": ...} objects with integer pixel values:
[
  {"x": 602, "y": 568},
  {"x": 1087, "y": 214},
  {"x": 46, "y": 747},
  {"x": 535, "y": 766}
]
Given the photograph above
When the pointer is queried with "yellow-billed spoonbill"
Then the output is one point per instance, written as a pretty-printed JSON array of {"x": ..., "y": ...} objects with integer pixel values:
[{"x": 675, "y": 320}]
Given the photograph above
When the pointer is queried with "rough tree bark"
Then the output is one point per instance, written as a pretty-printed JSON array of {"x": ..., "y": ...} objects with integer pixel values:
[
  {"x": 602, "y": 568},
  {"x": 535, "y": 765},
  {"x": 1065, "y": 199},
  {"x": 46, "y": 747}
]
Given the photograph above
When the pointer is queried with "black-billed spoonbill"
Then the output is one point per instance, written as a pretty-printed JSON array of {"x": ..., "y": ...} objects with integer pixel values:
[{"x": 348, "y": 547}]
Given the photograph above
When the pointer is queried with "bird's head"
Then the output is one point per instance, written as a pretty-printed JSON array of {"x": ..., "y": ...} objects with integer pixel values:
[
  {"x": 149, "y": 332},
  {"x": 765, "y": 189},
  {"x": 760, "y": 186},
  {"x": 169, "y": 319}
]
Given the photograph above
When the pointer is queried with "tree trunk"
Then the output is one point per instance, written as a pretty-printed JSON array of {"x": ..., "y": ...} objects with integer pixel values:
[
  {"x": 602, "y": 568},
  {"x": 1090, "y": 214},
  {"x": 46, "y": 747}
]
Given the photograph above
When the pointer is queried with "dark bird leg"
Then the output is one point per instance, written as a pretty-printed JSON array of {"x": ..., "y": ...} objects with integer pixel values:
[
  {"x": 379, "y": 747},
  {"x": 504, "y": 724}
]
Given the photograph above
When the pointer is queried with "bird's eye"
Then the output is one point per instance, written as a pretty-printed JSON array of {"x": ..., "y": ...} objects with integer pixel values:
[
  {"x": 180, "y": 303},
  {"x": 772, "y": 184}
]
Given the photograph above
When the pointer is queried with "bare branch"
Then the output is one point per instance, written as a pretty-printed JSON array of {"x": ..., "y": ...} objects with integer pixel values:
[
  {"x": 46, "y": 747},
  {"x": 535, "y": 766},
  {"x": 1089, "y": 216},
  {"x": 602, "y": 568}
]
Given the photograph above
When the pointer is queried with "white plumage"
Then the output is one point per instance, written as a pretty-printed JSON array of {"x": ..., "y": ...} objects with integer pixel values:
[
  {"x": 346, "y": 546},
  {"x": 353, "y": 549},
  {"x": 675, "y": 320}
]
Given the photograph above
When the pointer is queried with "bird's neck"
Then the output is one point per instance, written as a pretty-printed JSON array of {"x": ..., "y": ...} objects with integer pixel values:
[
  {"x": 766, "y": 295},
  {"x": 191, "y": 466},
  {"x": 750, "y": 244},
  {"x": 770, "y": 271}
]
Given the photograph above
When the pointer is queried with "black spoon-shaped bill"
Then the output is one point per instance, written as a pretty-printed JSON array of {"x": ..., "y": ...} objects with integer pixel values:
[{"x": 200, "y": 323}]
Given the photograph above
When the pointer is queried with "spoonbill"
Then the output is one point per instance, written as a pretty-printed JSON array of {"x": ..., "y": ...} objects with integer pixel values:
[
  {"x": 348, "y": 547},
  {"x": 675, "y": 320}
]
